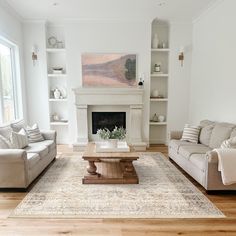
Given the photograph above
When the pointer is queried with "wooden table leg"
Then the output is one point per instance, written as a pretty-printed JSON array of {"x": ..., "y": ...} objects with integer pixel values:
[
  {"x": 92, "y": 168},
  {"x": 129, "y": 169}
]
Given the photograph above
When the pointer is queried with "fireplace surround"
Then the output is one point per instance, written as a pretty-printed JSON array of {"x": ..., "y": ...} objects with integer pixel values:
[{"x": 128, "y": 100}]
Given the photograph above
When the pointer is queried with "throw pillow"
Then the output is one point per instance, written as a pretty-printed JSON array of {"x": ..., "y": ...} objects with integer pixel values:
[
  {"x": 229, "y": 143},
  {"x": 5, "y": 131},
  {"x": 20, "y": 139},
  {"x": 191, "y": 133},
  {"x": 4, "y": 143},
  {"x": 18, "y": 125},
  {"x": 205, "y": 134},
  {"x": 34, "y": 134}
]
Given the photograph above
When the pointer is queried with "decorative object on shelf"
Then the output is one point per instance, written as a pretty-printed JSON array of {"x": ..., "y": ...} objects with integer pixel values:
[
  {"x": 155, "y": 41},
  {"x": 113, "y": 136},
  {"x": 163, "y": 45},
  {"x": 34, "y": 54},
  {"x": 109, "y": 70},
  {"x": 155, "y": 93},
  {"x": 55, "y": 117},
  {"x": 161, "y": 118},
  {"x": 181, "y": 55},
  {"x": 57, "y": 70},
  {"x": 155, "y": 118},
  {"x": 60, "y": 44},
  {"x": 52, "y": 41},
  {"x": 63, "y": 92},
  {"x": 157, "y": 68},
  {"x": 57, "y": 93},
  {"x": 141, "y": 81}
]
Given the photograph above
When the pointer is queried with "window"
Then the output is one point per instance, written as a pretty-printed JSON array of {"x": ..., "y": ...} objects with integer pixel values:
[{"x": 9, "y": 83}]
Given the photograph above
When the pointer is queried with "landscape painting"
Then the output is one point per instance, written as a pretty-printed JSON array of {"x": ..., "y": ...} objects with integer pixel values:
[{"x": 108, "y": 70}]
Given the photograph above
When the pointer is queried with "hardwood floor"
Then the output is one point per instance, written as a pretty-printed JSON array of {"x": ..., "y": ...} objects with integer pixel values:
[{"x": 226, "y": 202}]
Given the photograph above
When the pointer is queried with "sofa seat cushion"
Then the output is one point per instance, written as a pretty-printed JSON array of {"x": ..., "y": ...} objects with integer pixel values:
[
  {"x": 176, "y": 144},
  {"x": 199, "y": 160},
  {"x": 220, "y": 132},
  {"x": 50, "y": 144},
  {"x": 187, "y": 151},
  {"x": 32, "y": 159},
  {"x": 41, "y": 150}
]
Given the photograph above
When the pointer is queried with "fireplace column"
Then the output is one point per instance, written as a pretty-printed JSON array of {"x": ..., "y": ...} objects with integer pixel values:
[
  {"x": 135, "y": 132},
  {"x": 82, "y": 127}
]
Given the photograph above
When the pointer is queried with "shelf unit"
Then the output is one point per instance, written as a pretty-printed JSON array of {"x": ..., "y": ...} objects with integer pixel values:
[
  {"x": 56, "y": 57},
  {"x": 159, "y": 81}
]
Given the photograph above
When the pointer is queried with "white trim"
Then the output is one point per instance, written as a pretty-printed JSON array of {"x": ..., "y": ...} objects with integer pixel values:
[{"x": 9, "y": 9}]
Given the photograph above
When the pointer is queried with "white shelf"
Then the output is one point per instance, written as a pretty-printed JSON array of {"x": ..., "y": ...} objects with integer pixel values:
[
  {"x": 57, "y": 75},
  {"x": 158, "y": 99},
  {"x": 55, "y": 50},
  {"x": 157, "y": 123},
  {"x": 59, "y": 123},
  {"x": 160, "y": 50},
  {"x": 159, "y": 75},
  {"x": 58, "y": 100}
]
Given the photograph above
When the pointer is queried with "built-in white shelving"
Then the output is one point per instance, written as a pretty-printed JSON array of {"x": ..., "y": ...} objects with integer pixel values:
[
  {"x": 56, "y": 58},
  {"x": 157, "y": 123},
  {"x": 159, "y": 99},
  {"x": 159, "y": 75},
  {"x": 159, "y": 82}
]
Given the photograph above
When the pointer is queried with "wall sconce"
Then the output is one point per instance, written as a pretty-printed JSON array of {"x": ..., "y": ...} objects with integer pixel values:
[
  {"x": 34, "y": 54},
  {"x": 181, "y": 55}
]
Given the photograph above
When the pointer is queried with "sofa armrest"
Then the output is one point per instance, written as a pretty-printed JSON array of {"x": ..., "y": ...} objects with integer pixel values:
[
  {"x": 49, "y": 134},
  {"x": 175, "y": 134},
  {"x": 212, "y": 157},
  {"x": 12, "y": 155}
]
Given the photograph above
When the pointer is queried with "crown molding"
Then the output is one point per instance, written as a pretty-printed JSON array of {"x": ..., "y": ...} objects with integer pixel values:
[
  {"x": 207, "y": 9},
  {"x": 9, "y": 9}
]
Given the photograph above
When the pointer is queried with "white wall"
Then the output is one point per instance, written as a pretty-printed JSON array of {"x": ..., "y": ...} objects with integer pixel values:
[
  {"x": 213, "y": 82},
  {"x": 179, "y": 80},
  {"x": 11, "y": 29},
  {"x": 36, "y": 76},
  {"x": 106, "y": 36}
]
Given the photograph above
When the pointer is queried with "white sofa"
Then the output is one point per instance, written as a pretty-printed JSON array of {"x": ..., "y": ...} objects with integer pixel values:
[
  {"x": 19, "y": 167},
  {"x": 200, "y": 160}
]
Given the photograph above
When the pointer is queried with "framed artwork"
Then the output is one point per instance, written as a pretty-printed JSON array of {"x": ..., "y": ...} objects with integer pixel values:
[{"x": 109, "y": 70}]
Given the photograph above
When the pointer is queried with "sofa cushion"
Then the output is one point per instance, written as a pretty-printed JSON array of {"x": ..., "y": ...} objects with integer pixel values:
[
  {"x": 32, "y": 159},
  {"x": 229, "y": 143},
  {"x": 34, "y": 134},
  {"x": 220, "y": 132},
  {"x": 50, "y": 144},
  {"x": 199, "y": 160},
  {"x": 205, "y": 123},
  {"x": 4, "y": 143},
  {"x": 18, "y": 125},
  {"x": 205, "y": 134},
  {"x": 41, "y": 150},
  {"x": 5, "y": 131},
  {"x": 176, "y": 144},
  {"x": 19, "y": 139},
  {"x": 187, "y": 151}
]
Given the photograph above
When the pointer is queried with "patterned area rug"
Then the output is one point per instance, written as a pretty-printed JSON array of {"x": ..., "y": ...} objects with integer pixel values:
[{"x": 163, "y": 192}]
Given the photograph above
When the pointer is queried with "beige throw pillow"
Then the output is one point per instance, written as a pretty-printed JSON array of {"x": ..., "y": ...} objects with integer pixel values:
[
  {"x": 34, "y": 134},
  {"x": 191, "y": 133},
  {"x": 20, "y": 139},
  {"x": 4, "y": 143}
]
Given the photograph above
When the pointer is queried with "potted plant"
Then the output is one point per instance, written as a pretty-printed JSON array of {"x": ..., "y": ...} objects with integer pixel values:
[{"x": 113, "y": 136}]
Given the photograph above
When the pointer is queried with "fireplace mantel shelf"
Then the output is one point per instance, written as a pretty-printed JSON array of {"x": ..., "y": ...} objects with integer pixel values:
[{"x": 108, "y": 96}]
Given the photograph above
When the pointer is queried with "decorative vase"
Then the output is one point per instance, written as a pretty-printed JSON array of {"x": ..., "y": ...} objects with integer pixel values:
[
  {"x": 161, "y": 118},
  {"x": 155, "y": 41},
  {"x": 57, "y": 93},
  {"x": 155, "y": 93},
  {"x": 112, "y": 143}
]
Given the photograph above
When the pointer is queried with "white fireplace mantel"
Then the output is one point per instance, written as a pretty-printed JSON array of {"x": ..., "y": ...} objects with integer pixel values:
[{"x": 128, "y": 97}]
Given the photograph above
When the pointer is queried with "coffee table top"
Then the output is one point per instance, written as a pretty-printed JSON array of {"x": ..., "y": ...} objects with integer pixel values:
[{"x": 91, "y": 154}]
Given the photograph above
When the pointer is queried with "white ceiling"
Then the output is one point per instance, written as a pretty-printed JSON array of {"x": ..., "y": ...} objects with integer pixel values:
[{"x": 136, "y": 9}]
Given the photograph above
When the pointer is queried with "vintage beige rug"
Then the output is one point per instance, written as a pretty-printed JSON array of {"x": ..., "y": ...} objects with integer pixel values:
[{"x": 163, "y": 192}]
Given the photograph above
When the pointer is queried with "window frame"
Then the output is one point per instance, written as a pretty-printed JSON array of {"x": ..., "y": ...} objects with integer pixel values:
[{"x": 15, "y": 77}]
